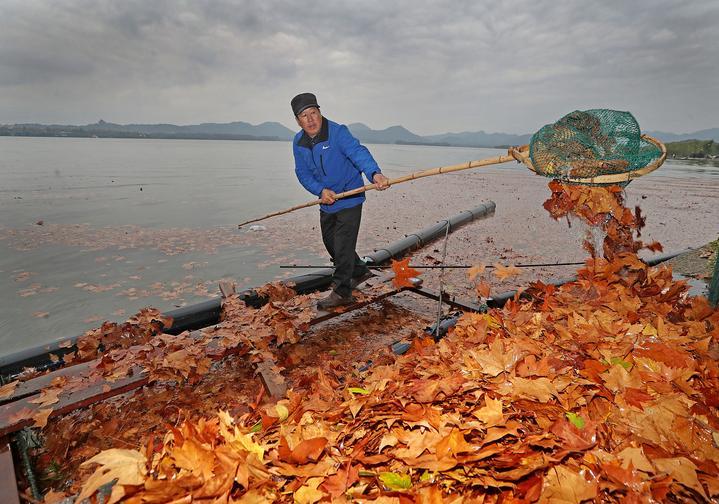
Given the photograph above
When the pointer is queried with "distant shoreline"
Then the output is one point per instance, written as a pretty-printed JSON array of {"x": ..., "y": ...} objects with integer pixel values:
[
  {"x": 686, "y": 150},
  {"x": 133, "y": 135},
  {"x": 156, "y": 136}
]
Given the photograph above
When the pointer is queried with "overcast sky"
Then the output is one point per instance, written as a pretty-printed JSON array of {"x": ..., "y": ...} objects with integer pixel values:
[{"x": 432, "y": 66}]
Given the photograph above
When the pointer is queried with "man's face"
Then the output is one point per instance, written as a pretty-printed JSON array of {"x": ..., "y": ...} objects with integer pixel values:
[{"x": 310, "y": 120}]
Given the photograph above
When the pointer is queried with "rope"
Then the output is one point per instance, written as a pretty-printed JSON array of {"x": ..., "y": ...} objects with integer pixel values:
[{"x": 441, "y": 279}]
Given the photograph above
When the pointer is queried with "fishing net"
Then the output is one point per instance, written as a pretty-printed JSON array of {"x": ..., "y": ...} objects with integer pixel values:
[{"x": 593, "y": 143}]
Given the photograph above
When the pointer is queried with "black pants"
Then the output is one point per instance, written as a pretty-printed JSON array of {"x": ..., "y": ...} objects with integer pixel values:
[{"x": 339, "y": 233}]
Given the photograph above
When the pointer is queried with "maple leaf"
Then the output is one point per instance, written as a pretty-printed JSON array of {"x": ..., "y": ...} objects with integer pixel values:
[
  {"x": 8, "y": 389},
  {"x": 491, "y": 413},
  {"x": 338, "y": 483},
  {"x": 636, "y": 397},
  {"x": 574, "y": 438},
  {"x": 41, "y": 417},
  {"x": 453, "y": 444},
  {"x": 127, "y": 466},
  {"x": 504, "y": 272},
  {"x": 541, "y": 389},
  {"x": 309, "y": 493},
  {"x": 195, "y": 457},
  {"x": 497, "y": 359},
  {"x": 402, "y": 273},
  {"x": 483, "y": 289},
  {"x": 683, "y": 471},
  {"x": 635, "y": 457},
  {"x": 627, "y": 476},
  {"x": 47, "y": 397},
  {"x": 564, "y": 485},
  {"x": 475, "y": 271},
  {"x": 308, "y": 450}
]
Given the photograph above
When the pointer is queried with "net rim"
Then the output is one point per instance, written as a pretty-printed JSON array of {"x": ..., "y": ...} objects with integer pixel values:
[{"x": 522, "y": 154}]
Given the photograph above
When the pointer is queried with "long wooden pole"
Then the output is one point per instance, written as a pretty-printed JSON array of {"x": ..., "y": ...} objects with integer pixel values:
[{"x": 412, "y": 176}]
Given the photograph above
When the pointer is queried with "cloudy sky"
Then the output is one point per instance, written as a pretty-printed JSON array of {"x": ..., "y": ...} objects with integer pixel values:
[{"x": 432, "y": 66}]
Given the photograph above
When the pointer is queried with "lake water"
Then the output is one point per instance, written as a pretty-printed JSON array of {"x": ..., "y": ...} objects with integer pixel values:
[{"x": 95, "y": 229}]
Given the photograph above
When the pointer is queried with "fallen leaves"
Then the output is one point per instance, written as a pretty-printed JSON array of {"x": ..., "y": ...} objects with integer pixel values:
[
  {"x": 603, "y": 389},
  {"x": 125, "y": 466}
]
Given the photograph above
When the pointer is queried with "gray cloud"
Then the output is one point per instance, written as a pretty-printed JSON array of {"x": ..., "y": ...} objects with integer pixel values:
[{"x": 431, "y": 65}]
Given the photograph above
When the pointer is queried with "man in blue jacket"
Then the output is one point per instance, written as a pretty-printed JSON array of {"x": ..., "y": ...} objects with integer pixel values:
[{"x": 328, "y": 161}]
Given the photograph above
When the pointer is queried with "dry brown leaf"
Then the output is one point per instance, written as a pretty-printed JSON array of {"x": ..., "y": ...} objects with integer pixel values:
[
  {"x": 504, "y": 272},
  {"x": 127, "y": 466},
  {"x": 475, "y": 271},
  {"x": 483, "y": 289},
  {"x": 8, "y": 389},
  {"x": 491, "y": 413},
  {"x": 41, "y": 417}
]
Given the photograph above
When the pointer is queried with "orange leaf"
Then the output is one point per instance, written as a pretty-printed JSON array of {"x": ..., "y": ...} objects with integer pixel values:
[
  {"x": 504, "y": 272},
  {"x": 476, "y": 270},
  {"x": 8, "y": 390},
  {"x": 338, "y": 483},
  {"x": 483, "y": 289},
  {"x": 47, "y": 397},
  {"x": 628, "y": 476},
  {"x": 41, "y": 417},
  {"x": 453, "y": 444},
  {"x": 309, "y": 449},
  {"x": 402, "y": 273},
  {"x": 636, "y": 397}
]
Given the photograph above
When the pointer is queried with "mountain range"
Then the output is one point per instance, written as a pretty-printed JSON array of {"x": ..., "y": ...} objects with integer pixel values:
[{"x": 239, "y": 130}]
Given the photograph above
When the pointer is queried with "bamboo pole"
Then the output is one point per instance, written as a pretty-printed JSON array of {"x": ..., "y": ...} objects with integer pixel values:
[
  {"x": 520, "y": 154},
  {"x": 412, "y": 176}
]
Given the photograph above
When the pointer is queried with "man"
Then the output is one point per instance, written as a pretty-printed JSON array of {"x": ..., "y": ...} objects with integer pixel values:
[{"x": 328, "y": 161}]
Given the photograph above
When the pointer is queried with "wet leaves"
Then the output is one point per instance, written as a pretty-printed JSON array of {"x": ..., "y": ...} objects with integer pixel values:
[{"x": 604, "y": 388}]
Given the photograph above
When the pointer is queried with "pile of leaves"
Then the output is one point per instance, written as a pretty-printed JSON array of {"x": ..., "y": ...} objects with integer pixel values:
[{"x": 605, "y": 388}]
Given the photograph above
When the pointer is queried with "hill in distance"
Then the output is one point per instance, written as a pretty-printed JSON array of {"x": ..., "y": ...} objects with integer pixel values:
[{"x": 239, "y": 130}]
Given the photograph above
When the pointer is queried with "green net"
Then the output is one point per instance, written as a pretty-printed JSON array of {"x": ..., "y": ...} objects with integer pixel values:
[{"x": 590, "y": 143}]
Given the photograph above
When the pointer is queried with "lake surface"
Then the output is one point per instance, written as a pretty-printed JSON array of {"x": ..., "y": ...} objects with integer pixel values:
[{"x": 95, "y": 229}]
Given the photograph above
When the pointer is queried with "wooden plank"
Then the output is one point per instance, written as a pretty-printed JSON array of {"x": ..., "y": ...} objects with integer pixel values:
[
  {"x": 97, "y": 391},
  {"x": 273, "y": 382},
  {"x": 9, "y": 413},
  {"x": 81, "y": 369},
  {"x": 35, "y": 385},
  {"x": 8, "y": 481}
]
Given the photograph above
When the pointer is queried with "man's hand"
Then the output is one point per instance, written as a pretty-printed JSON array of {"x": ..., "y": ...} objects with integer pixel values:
[
  {"x": 380, "y": 181},
  {"x": 327, "y": 197}
]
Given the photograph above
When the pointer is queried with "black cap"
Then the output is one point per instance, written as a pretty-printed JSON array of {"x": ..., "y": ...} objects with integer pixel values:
[{"x": 303, "y": 101}]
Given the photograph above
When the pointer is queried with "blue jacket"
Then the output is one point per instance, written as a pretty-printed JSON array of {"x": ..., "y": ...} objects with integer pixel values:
[{"x": 334, "y": 160}]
